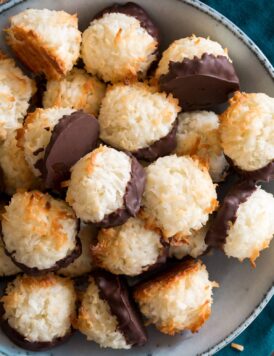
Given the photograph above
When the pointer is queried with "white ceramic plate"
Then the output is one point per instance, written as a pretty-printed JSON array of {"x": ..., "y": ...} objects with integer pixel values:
[{"x": 243, "y": 291}]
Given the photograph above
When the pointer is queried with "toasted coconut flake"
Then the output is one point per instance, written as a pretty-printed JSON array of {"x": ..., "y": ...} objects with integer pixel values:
[{"x": 237, "y": 347}]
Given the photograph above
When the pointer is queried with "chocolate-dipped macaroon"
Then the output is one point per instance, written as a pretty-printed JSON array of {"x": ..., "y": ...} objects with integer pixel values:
[
  {"x": 106, "y": 187},
  {"x": 198, "y": 72},
  {"x": 84, "y": 263},
  {"x": 247, "y": 135},
  {"x": 244, "y": 223},
  {"x": 129, "y": 249},
  {"x": 120, "y": 43},
  {"x": 138, "y": 119},
  {"x": 107, "y": 314},
  {"x": 55, "y": 139},
  {"x": 198, "y": 135},
  {"x": 178, "y": 299},
  {"x": 179, "y": 196},
  {"x": 40, "y": 232},
  {"x": 37, "y": 312}
]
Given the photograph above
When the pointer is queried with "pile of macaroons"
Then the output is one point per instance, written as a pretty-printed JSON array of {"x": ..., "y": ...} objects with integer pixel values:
[{"x": 109, "y": 168}]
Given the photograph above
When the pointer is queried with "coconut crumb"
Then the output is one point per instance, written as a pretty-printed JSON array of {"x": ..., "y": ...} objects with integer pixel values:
[{"x": 237, "y": 347}]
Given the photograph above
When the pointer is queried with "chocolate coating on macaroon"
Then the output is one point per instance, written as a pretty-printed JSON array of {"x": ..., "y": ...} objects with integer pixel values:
[
  {"x": 171, "y": 268},
  {"x": 21, "y": 341},
  {"x": 114, "y": 291},
  {"x": 34, "y": 271},
  {"x": 74, "y": 136},
  {"x": 134, "y": 10},
  {"x": 132, "y": 198},
  {"x": 264, "y": 174},
  {"x": 200, "y": 83},
  {"x": 227, "y": 214},
  {"x": 160, "y": 148}
]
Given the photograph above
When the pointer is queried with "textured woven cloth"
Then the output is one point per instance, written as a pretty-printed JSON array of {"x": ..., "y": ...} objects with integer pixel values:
[{"x": 256, "y": 19}]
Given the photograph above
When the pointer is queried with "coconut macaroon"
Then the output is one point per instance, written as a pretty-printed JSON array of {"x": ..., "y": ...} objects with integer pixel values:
[
  {"x": 120, "y": 43},
  {"x": 247, "y": 134},
  {"x": 107, "y": 315},
  {"x": 21, "y": 86},
  {"x": 198, "y": 72},
  {"x": 84, "y": 263},
  {"x": 198, "y": 135},
  {"x": 56, "y": 138},
  {"x": 138, "y": 119},
  {"x": 37, "y": 311},
  {"x": 179, "y": 299},
  {"x": 15, "y": 170},
  {"x": 40, "y": 232},
  {"x": 46, "y": 41},
  {"x": 193, "y": 245},
  {"x": 106, "y": 187},
  {"x": 244, "y": 224},
  {"x": 7, "y": 112},
  {"x": 38, "y": 129},
  {"x": 129, "y": 249},
  {"x": 77, "y": 90},
  {"x": 16, "y": 90},
  {"x": 179, "y": 196}
]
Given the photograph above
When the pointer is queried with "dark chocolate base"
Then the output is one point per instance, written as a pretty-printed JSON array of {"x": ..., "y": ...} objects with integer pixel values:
[
  {"x": 132, "y": 199},
  {"x": 200, "y": 83},
  {"x": 2, "y": 183},
  {"x": 134, "y": 10},
  {"x": 223, "y": 187},
  {"x": 169, "y": 269},
  {"x": 4, "y": 200},
  {"x": 227, "y": 214},
  {"x": 81, "y": 282},
  {"x": 20, "y": 340},
  {"x": 264, "y": 174},
  {"x": 150, "y": 274},
  {"x": 55, "y": 193},
  {"x": 160, "y": 148},
  {"x": 64, "y": 262},
  {"x": 114, "y": 290},
  {"x": 4, "y": 279}
]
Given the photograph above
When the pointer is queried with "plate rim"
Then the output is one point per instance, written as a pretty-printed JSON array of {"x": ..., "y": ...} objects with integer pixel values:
[{"x": 197, "y": 4}]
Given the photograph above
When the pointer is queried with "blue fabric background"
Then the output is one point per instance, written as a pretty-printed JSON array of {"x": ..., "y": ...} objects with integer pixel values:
[{"x": 256, "y": 19}]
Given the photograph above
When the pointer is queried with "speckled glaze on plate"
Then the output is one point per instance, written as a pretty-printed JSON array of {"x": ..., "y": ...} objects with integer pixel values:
[{"x": 243, "y": 291}]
